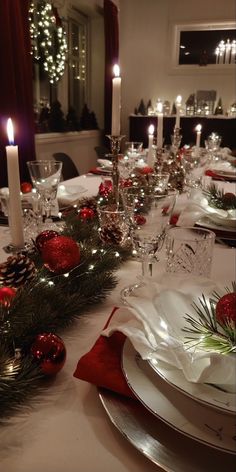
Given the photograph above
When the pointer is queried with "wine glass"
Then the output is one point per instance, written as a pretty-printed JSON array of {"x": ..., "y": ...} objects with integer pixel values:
[
  {"x": 132, "y": 152},
  {"x": 45, "y": 176},
  {"x": 212, "y": 145},
  {"x": 149, "y": 212}
]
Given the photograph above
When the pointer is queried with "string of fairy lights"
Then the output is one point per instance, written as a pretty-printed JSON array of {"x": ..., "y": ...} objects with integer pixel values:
[{"x": 49, "y": 43}]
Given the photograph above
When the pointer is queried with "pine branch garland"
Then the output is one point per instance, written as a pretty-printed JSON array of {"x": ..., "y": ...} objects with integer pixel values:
[{"x": 51, "y": 303}]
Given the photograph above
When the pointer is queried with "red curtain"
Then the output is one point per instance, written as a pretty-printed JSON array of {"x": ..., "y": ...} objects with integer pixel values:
[
  {"x": 111, "y": 28},
  {"x": 16, "y": 94}
]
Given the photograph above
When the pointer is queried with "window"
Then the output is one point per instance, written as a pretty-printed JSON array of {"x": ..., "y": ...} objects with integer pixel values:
[
  {"x": 71, "y": 90},
  {"x": 204, "y": 44},
  {"x": 77, "y": 61}
]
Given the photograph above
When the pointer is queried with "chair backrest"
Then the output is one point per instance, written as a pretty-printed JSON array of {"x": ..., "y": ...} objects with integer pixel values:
[
  {"x": 69, "y": 169},
  {"x": 102, "y": 152}
]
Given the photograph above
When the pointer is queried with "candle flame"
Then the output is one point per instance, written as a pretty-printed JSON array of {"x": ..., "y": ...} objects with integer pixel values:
[
  {"x": 159, "y": 107},
  {"x": 178, "y": 100},
  {"x": 151, "y": 129},
  {"x": 198, "y": 128},
  {"x": 116, "y": 70},
  {"x": 10, "y": 131}
]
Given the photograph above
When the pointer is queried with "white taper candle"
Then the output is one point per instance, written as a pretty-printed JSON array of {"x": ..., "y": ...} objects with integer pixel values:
[
  {"x": 159, "y": 125},
  {"x": 15, "y": 208},
  {"x": 150, "y": 158},
  {"x": 178, "y": 107},
  {"x": 116, "y": 102}
]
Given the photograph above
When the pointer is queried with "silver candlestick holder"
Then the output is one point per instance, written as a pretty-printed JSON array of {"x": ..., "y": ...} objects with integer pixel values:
[{"x": 115, "y": 143}]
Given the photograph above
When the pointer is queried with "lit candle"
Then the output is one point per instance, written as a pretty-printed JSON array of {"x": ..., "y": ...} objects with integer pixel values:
[
  {"x": 159, "y": 125},
  {"x": 198, "y": 129},
  {"x": 15, "y": 209},
  {"x": 178, "y": 106},
  {"x": 227, "y": 51},
  {"x": 150, "y": 144},
  {"x": 116, "y": 107},
  {"x": 233, "y": 52}
]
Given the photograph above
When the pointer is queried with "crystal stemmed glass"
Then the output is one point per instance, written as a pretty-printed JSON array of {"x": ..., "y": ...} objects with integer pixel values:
[
  {"x": 212, "y": 145},
  {"x": 45, "y": 176},
  {"x": 149, "y": 212},
  {"x": 130, "y": 158}
]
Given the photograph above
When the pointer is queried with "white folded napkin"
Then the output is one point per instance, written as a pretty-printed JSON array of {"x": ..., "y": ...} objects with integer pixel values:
[
  {"x": 69, "y": 195},
  {"x": 198, "y": 206},
  {"x": 154, "y": 323},
  {"x": 105, "y": 163}
]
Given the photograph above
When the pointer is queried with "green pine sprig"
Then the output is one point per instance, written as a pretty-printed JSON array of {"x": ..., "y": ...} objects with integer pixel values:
[
  {"x": 205, "y": 331},
  {"x": 216, "y": 198}
]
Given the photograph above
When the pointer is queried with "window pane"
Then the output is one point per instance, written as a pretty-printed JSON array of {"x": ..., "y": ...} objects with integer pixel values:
[{"x": 199, "y": 47}]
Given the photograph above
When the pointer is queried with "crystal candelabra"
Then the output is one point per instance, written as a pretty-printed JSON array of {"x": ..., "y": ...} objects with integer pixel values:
[
  {"x": 176, "y": 140},
  {"x": 115, "y": 143}
]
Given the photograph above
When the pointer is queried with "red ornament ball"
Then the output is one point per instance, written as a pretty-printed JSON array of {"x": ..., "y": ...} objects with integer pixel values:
[
  {"x": 229, "y": 199},
  {"x": 60, "y": 254},
  {"x": 105, "y": 188},
  {"x": 43, "y": 237},
  {"x": 124, "y": 183},
  {"x": 140, "y": 220},
  {"x": 50, "y": 352},
  {"x": 26, "y": 187},
  {"x": 86, "y": 214},
  {"x": 146, "y": 170},
  {"x": 6, "y": 295},
  {"x": 226, "y": 309}
]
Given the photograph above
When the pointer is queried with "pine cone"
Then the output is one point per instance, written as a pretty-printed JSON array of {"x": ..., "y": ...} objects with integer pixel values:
[
  {"x": 17, "y": 270},
  {"x": 89, "y": 203},
  {"x": 110, "y": 234}
]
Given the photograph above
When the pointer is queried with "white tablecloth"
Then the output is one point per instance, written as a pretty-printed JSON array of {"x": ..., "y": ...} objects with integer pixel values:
[{"x": 66, "y": 427}]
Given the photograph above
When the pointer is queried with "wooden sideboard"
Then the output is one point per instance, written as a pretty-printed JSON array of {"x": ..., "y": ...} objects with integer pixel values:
[{"x": 224, "y": 126}]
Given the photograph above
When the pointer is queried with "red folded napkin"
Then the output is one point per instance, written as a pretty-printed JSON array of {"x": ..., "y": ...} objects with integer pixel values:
[
  {"x": 174, "y": 219},
  {"x": 101, "y": 366},
  {"x": 212, "y": 174},
  {"x": 98, "y": 171}
]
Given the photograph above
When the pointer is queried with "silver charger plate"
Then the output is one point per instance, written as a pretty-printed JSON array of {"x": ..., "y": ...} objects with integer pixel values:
[
  {"x": 183, "y": 414},
  {"x": 158, "y": 442}
]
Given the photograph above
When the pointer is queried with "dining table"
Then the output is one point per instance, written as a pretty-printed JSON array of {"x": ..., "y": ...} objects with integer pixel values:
[{"x": 74, "y": 426}]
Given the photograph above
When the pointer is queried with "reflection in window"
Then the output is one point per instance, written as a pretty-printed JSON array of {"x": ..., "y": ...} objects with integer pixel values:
[
  {"x": 203, "y": 47},
  {"x": 77, "y": 61}
]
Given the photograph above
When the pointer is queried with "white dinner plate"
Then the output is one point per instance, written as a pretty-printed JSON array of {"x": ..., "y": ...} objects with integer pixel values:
[
  {"x": 230, "y": 175},
  {"x": 206, "y": 222},
  {"x": 203, "y": 393},
  {"x": 195, "y": 420}
]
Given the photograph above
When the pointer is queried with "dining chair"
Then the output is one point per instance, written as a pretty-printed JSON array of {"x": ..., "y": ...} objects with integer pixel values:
[
  {"x": 102, "y": 152},
  {"x": 69, "y": 169}
]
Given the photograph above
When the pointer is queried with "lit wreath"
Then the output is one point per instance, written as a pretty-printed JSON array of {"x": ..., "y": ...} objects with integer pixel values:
[{"x": 48, "y": 39}]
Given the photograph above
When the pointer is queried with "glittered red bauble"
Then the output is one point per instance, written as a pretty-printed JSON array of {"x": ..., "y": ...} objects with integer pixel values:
[
  {"x": 49, "y": 350},
  {"x": 43, "y": 237},
  {"x": 26, "y": 187},
  {"x": 140, "y": 220},
  {"x": 226, "y": 308},
  {"x": 146, "y": 170},
  {"x": 124, "y": 183},
  {"x": 60, "y": 254},
  {"x": 105, "y": 188},
  {"x": 86, "y": 214},
  {"x": 6, "y": 295}
]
